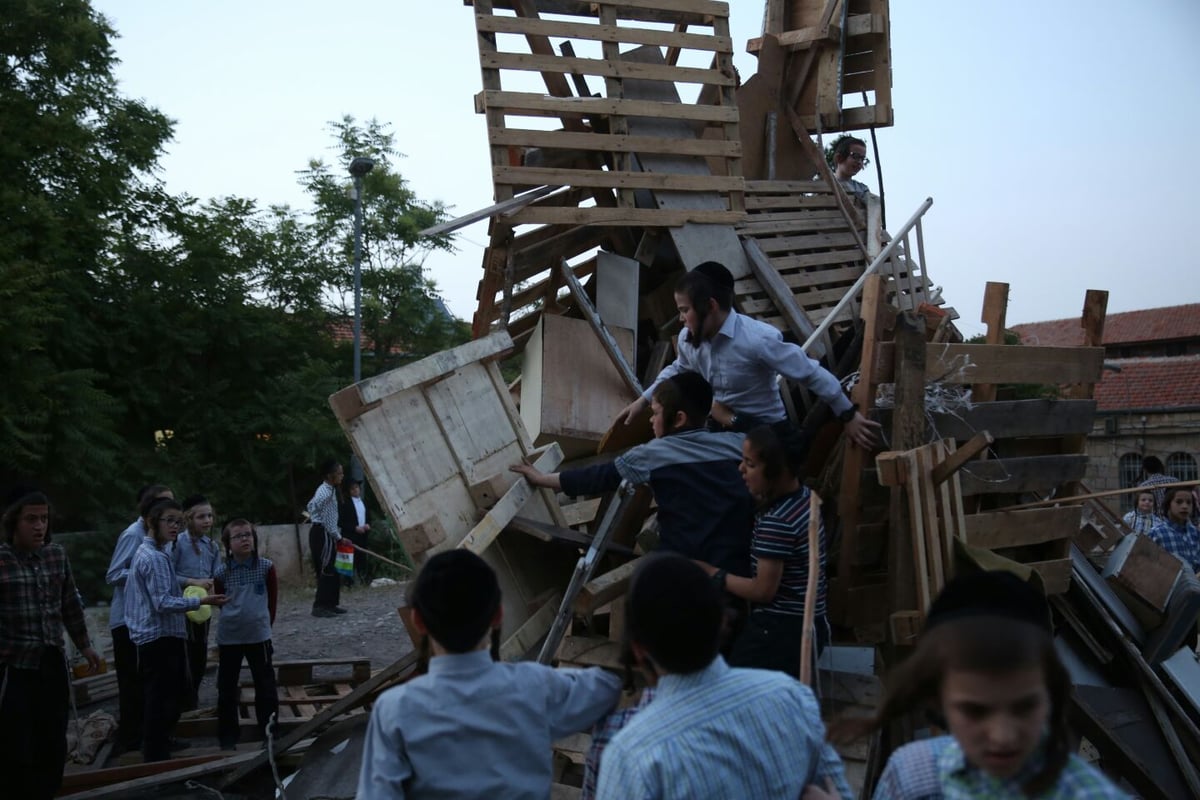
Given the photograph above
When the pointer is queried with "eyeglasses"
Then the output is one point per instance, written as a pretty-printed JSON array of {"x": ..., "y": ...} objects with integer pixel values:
[
  {"x": 176, "y": 521},
  {"x": 861, "y": 157},
  {"x": 237, "y": 537}
]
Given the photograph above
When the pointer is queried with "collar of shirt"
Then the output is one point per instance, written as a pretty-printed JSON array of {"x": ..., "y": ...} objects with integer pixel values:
[
  {"x": 729, "y": 327},
  {"x": 954, "y": 770},
  {"x": 460, "y": 663},
  {"x": 673, "y": 684}
]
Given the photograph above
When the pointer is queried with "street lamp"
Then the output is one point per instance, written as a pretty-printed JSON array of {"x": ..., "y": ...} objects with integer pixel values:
[{"x": 359, "y": 167}]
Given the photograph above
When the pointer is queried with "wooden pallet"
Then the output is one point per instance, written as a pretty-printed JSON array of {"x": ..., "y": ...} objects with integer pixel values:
[{"x": 595, "y": 149}]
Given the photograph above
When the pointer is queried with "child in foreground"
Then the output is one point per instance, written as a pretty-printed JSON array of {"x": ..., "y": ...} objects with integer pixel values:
[
  {"x": 985, "y": 665},
  {"x": 473, "y": 726}
]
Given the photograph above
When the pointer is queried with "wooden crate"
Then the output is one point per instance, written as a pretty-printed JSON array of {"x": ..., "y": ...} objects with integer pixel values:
[{"x": 436, "y": 439}]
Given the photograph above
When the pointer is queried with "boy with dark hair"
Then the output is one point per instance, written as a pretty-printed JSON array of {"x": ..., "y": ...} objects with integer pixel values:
[
  {"x": 1153, "y": 468},
  {"x": 712, "y": 731},
  {"x": 704, "y": 509}
]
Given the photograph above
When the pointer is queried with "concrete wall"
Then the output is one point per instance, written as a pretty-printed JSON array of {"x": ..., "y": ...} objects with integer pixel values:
[
  {"x": 278, "y": 543},
  {"x": 1153, "y": 434}
]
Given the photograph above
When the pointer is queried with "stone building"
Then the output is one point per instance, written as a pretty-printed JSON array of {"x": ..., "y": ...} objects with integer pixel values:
[{"x": 1148, "y": 402}]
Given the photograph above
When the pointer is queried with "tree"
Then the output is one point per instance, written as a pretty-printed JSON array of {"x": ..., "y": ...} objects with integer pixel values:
[
  {"x": 75, "y": 158},
  {"x": 402, "y": 315}
]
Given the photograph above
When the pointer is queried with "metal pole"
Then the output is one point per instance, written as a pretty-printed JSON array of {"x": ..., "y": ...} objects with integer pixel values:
[{"x": 358, "y": 278}]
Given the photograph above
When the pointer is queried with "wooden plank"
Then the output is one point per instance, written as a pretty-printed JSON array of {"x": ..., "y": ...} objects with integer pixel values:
[
  {"x": 613, "y": 179},
  {"x": 136, "y": 778},
  {"x": 812, "y": 241},
  {"x": 582, "y": 512},
  {"x": 780, "y": 295},
  {"x": 954, "y": 462},
  {"x": 622, "y": 70},
  {"x": 787, "y": 187},
  {"x": 604, "y": 588},
  {"x": 996, "y": 529},
  {"x": 483, "y": 534},
  {"x": 707, "y": 8},
  {"x": 801, "y": 39},
  {"x": 525, "y": 639},
  {"x": 604, "y": 33},
  {"x": 805, "y": 223},
  {"x": 1017, "y": 475},
  {"x": 570, "y": 140},
  {"x": 626, "y": 216},
  {"x": 1056, "y": 574},
  {"x": 982, "y": 363},
  {"x": 536, "y": 105},
  {"x": 587, "y": 651}
]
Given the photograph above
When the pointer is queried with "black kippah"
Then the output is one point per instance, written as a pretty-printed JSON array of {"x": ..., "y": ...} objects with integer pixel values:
[
  {"x": 18, "y": 493},
  {"x": 717, "y": 273},
  {"x": 989, "y": 594}
]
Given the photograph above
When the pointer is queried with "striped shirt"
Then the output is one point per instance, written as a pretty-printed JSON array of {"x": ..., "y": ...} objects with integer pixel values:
[
  {"x": 722, "y": 733},
  {"x": 154, "y": 604},
  {"x": 118, "y": 570},
  {"x": 781, "y": 534},
  {"x": 190, "y": 564},
  {"x": 323, "y": 509},
  {"x": 936, "y": 769},
  {"x": 1141, "y": 523},
  {"x": 38, "y": 599}
]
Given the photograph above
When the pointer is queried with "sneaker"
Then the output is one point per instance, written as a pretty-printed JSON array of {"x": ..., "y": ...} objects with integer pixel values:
[
  {"x": 321, "y": 611},
  {"x": 340, "y": 610}
]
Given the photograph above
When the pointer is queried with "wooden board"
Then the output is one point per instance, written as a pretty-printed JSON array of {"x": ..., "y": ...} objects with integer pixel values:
[
  {"x": 995, "y": 529},
  {"x": 1011, "y": 418},
  {"x": 426, "y": 433},
  {"x": 570, "y": 390},
  {"x": 1016, "y": 475}
]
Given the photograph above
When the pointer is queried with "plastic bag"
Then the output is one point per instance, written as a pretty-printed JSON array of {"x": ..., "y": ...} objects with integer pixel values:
[{"x": 343, "y": 562}]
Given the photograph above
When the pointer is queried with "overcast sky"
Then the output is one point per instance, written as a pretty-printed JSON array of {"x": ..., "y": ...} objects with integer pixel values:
[{"x": 1052, "y": 136}]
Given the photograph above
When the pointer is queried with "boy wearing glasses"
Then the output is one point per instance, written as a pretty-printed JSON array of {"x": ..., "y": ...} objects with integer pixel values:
[
  {"x": 244, "y": 631},
  {"x": 849, "y": 158}
]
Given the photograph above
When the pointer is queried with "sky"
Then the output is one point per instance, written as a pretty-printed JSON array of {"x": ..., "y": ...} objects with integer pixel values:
[{"x": 1052, "y": 136}]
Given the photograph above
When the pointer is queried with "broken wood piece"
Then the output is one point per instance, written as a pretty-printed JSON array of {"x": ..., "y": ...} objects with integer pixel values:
[
  {"x": 905, "y": 626},
  {"x": 586, "y": 651},
  {"x": 487, "y": 492},
  {"x": 483, "y": 534},
  {"x": 604, "y": 589},
  {"x": 1146, "y": 571},
  {"x": 581, "y": 512},
  {"x": 525, "y": 638},
  {"x": 423, "y": 536},
  {"x": 977, "y": 444},
  {"x": 998, "y": 529}
]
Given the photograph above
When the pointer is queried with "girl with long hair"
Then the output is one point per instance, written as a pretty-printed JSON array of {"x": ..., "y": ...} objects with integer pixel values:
[{"x": 195, "y": 556}]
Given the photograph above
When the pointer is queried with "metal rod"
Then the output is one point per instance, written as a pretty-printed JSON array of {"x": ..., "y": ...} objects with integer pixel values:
[{"x": 874, "y": 265}]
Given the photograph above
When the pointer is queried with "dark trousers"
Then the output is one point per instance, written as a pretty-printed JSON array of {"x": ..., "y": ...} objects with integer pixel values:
[
  {"x": 162, "y": 664},
  {"x": 772, "y": 641},
  {"x": 329, "y": 583},
  {"x": 33, "y": 727},
  {"x": 129, "y": 689},
  {"x": 197, "y": 661},
  {"x": 266, "y": 697},
  {"x": 360, "y": 561}
]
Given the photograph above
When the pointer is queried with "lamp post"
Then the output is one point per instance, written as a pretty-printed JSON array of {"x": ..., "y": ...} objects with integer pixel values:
[{"x": 359, "y": 167}]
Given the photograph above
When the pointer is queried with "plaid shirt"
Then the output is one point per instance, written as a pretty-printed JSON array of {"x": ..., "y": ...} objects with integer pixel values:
[
  {"x": 1181, "y": 541},
  {"x": 936, "y": 769},
  {"x": 602, "y": 734},
  {"x": 38, "y": 599},
  {"x": 154, "y": 604}
]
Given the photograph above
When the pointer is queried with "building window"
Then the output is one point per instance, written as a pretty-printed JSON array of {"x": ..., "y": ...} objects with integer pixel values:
[
  {"x": 1181, "y": 467},
  {"x": 1129, "y": 473}
]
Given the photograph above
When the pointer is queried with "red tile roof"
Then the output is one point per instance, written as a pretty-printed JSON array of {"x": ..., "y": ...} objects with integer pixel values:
[
  {"x": 1128, "y": 327},
  {"x": 1150, "y": 383}
]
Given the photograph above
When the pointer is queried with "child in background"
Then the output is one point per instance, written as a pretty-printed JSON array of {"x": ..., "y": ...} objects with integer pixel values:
[
  {"x": 244, "y": 630},
  {"x": 1142, "y": 518},
  {"x": 472, "y": 726},
  {"x": 986, "y": 665},
  {"x": 154, "y": 609},
  {"x": 195, "y": 556},
  {"x": 1176, "y": 534}
]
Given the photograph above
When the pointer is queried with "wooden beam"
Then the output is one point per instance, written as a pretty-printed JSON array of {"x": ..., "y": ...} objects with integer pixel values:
[
  {"x": 977, "y": 444},
  {"x": 1072, "y": 499},
  {"x": 983, "y": 363},
  {"x": 604, "y": 588},
  {"x": 1014, "y": 475},
  {"x": 996, "y": 529},
  {"x": 511, "y": 204},
  {"x": 502, "y": 513}
]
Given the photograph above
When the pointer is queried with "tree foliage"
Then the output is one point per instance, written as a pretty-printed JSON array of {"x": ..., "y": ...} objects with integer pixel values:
[{"x": 155, "y": 338}]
